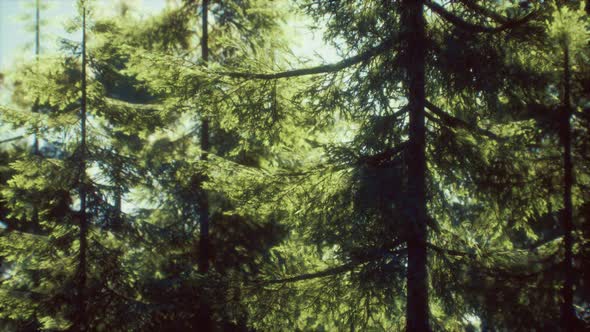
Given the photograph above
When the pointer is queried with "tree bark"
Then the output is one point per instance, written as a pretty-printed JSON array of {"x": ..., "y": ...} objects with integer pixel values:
[
  {"x": 36, "y": 106},
  {"x": 35, "y": 225},
  {"x": 417, "y": 312},
  {"x": 568, "y": 313},
  {"x": 116, "y": 221},
  {"x": 474, "y": 28},
  {"x": 204, "y": 204}
]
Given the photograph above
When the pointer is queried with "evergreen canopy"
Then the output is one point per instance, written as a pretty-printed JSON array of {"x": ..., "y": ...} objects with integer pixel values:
[{"x": 187, "y": 171}]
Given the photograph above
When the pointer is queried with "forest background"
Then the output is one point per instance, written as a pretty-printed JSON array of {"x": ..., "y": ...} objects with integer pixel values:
[{"x": 249, "y": 165}]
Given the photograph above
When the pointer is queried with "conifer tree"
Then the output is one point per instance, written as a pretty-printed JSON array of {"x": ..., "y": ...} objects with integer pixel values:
[
  {"x": 32, "y": 227},
  {"x": 413, "y": 46},
  {"x": 412, "y": 185},
  {"x": 555, "y": 104},
  {"x": 78, "y": 251},
  {"x": 178, "y": 176}
]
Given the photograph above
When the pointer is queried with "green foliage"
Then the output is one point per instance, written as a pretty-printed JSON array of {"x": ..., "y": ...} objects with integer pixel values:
[{"x": 307, "y": 177}]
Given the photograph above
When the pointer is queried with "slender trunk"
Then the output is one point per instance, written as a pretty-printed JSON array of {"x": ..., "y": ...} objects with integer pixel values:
[
  {"x": 36, "y": 108},
  {"x": 417, "y": 312},
  {"x": 37, "y": 10},
  {"x": 568, "y": 313},
  {"x": 118, "y": 201},
  {"x": 204, "y": 316},
  {"x": 116, "y": 220},
  {"x": 204, "y": 204},
  {"x": 81, "y": 321},
  {"x": 35, "y": 225}
]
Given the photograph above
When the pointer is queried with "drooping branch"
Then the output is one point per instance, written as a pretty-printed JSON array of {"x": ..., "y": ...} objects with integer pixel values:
[
  {"x": 484, "y": 11},
  {"x": 8, "y": 140},
  {"x": 111, "y": 102},
  {"x": 475, "y": 28},
  {"x": 307, "y": 276},
  {"x": 369, "y": 256},
  {"x": 454, "y": 122},
  {"x": 384, "y": 157},
  {"x": 445, "y": 251},
  {"x": 328, "y": 68},
  {"x": 7, "y": 233},
  {"x": 506, "y": 274}
]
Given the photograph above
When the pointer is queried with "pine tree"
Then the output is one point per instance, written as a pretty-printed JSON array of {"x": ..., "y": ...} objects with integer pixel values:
[
  {"x": 386, "y": 59},
  {"x": 177, "y": 175},
  {"x": 434, "y": 179},
  {"x": 550, "y": 102},
  {"x": 78, "y": 252}
]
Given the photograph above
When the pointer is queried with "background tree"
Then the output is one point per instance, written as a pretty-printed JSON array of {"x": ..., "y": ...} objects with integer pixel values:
[
  {"x": 539, "y": 111},
  {"x": 70, "y": 172},
  {"x": 175, "y": 169}
]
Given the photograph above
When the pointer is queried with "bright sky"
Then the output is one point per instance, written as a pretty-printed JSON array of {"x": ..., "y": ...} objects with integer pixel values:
[
  {"x": 17, "y": 20},
  {"x": 17, "y": 36}
]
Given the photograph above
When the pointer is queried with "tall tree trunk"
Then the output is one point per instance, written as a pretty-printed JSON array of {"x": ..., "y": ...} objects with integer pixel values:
[
  {"x": 37, "y": 38},
  {"x": 35, "y": 224},
  {"x": 204, "y": 316},
  {"x": 568, "y": 313},
  {"x": 417, "y": 312},
  {"x": 35, "y": 227},
  {"x": 204, "y": 204},
  {"x": 81, "y": 319},
  {"x": 117, "y": 218}
]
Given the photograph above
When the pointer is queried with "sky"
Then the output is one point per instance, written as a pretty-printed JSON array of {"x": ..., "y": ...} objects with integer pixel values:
[
  {"x": 17, "y": 35},
  {"x": 17, "y": 18}
]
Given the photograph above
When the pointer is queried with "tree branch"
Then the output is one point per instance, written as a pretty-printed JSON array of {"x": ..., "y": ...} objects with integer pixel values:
[
  {"x": 484, "y": 11},
  {"x": 500, "y": 273},
  {"x": 153, "y": 306},
  {"x": 328, "y": 68},
  {"x": 475, "y": 28},
  {"x": 454, "y": 122},
  {"x": 382, "y": 158},
  {"x": 371, "y": 255},
  {"x": 112, "y": 102},
  {"x": 320, "y": 274},
  {"x": 448, "y": 251},
  {"x": 12, "y": 139}
]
